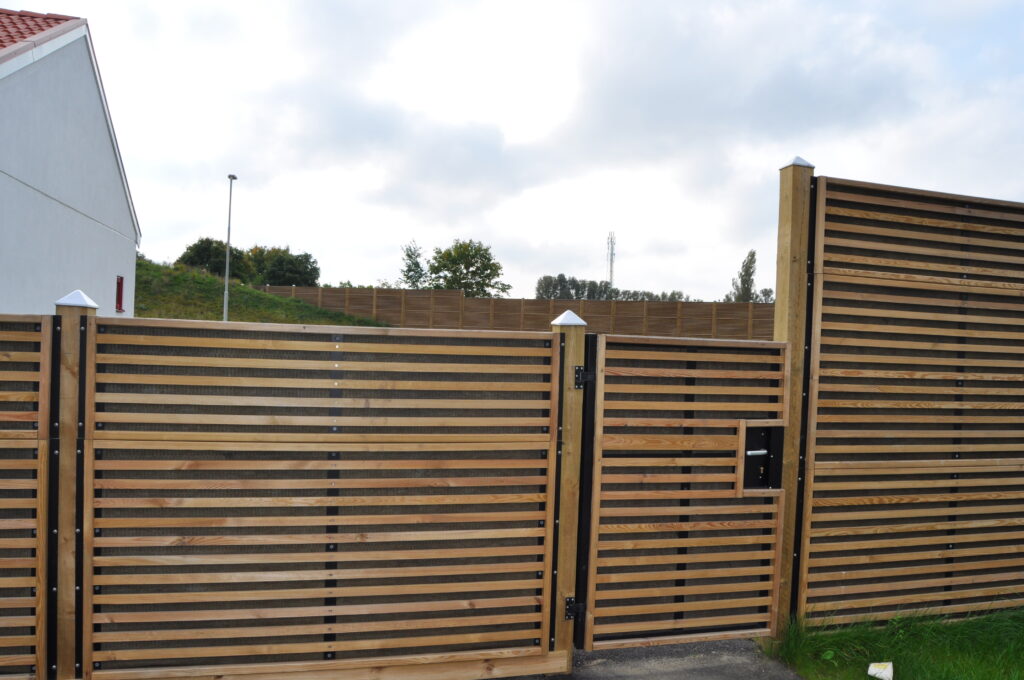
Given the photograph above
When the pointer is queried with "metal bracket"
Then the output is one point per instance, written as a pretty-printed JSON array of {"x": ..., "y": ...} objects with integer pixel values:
[
  {"x": 574, "y": 610},
  {"x": 583, "y": 376}
]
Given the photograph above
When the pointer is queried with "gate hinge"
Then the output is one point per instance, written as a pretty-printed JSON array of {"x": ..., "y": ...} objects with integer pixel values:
[
  {"x": 574, "y": 610},
  {"x": 582, "y": 377}
]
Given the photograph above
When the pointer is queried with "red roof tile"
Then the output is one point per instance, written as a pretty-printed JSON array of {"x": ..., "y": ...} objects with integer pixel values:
[{"x": 18, "y": 26}]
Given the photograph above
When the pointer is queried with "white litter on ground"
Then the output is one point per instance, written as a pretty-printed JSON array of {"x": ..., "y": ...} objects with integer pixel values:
[{"x": 881, "y": 670}]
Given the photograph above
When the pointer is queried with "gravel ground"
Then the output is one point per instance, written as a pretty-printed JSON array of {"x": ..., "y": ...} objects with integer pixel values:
[{"x": 719, "y": 660}]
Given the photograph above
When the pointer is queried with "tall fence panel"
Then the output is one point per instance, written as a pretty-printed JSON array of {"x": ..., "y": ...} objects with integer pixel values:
[
  {"x": 915, "y": 494},
  {"x": 25, "y": 370},
  {"x": 286, "y": 499},
  {"x": 680, "y": 548}
]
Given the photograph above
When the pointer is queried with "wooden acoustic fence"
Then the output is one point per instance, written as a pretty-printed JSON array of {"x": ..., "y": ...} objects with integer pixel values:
[
  {"x": 270, "y": 500},
  {"x": 915, "y": 494},
  {"x": 25, "y": 369},
  {"x": 452, "y": 309},
  {"x": 679, "y": 549}
]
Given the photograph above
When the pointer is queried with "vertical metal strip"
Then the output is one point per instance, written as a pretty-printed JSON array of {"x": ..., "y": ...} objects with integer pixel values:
[
  {"x": 83, "y": 342},
  {"x": 52, "y": 504},
  {"x": 332, "y": 510},
  {"x": 586, "y": 487}
]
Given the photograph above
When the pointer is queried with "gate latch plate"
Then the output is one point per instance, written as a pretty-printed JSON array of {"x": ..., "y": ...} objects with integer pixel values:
[{"x": 573, "y": 610}]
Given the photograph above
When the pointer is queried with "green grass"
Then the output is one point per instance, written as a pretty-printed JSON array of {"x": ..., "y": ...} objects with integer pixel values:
[
  {"x": 178, "y": 292},
  {"x": 983, "y": 648}
]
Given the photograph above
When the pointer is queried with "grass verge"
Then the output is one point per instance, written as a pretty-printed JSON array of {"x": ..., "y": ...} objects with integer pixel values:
[
  {"x": 177, "y": 292},
  {"x": 926, "y": 648}
]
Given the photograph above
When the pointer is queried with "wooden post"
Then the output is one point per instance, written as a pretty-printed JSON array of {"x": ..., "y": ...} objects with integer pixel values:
[
  {"x": 791, "y": 290},
  {"x": 573, "y": 330},
  {"x": 404, "y": 295},
  {"x": 71, "y": 309},
  {"x": 750, "y": 321}
]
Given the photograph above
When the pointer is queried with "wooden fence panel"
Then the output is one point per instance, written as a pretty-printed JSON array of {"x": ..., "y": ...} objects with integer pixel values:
[
  {"x": 679, "y": 550},
  {"x": 286, "y": 499},
  {"x": 915, "y": 500},
  {"x": 451, "y": 309},
  {"x": 24, "y": 417}
]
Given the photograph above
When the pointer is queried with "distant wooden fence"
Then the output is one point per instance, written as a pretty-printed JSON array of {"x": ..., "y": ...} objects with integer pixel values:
[{"x": 452, "y": 309}]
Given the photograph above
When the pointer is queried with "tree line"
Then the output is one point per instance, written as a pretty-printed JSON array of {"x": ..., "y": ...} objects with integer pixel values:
[{"x": 465, "y": 265}]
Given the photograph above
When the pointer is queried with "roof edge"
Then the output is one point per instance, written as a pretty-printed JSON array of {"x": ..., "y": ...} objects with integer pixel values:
[{"x": 38, "y": 39}]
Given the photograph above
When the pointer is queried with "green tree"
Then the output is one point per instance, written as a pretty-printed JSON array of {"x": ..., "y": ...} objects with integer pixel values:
[
  {"x": 469, "y": 266},
  {"x": 743, "y": 289},
  {"x": 287, "y": 269},
  {"x": 414, "y": 272},
  {"x": 208, "y": 254},
  {"x": 562, "y": 287},
  {"x": 277, "y": 266}
]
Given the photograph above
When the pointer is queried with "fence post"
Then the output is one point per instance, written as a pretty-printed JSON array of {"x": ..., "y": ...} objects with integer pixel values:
[
  {"x": 792, "y": 287},
  {"x": 70, "y": 309},
  {"x": 573, "y": 332}
]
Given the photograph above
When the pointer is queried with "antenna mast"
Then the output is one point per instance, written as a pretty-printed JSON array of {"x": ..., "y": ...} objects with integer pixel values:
[{"x": 611, "y": 259}]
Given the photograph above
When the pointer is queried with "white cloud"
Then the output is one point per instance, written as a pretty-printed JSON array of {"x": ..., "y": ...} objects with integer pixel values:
[{"x": 511, "y": 65}]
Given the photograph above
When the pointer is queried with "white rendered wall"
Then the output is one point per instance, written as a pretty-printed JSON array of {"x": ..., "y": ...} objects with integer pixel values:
[{"x": 65, "y": 218}]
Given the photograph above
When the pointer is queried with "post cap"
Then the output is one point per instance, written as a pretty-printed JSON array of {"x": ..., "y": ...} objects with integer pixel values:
[
  {"x": 77, "y": 298},
  {"x": 568, "y": 318},
  {"x": 798, "y": 161}
]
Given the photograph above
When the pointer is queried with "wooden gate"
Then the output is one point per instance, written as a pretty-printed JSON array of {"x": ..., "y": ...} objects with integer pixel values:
[
  {"x": 679, "y": 549},
  {"x": 267, "y": 500},
  {"x": 915, "y": 494},
  {"x": 25, "y": 370}
]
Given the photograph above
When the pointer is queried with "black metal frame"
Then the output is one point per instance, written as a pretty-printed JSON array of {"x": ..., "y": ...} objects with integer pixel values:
[
  {"x": 586, "y": 492},
  {"x": 49, "y": 598}
]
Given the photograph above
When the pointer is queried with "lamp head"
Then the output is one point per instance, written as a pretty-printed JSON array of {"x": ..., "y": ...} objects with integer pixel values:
[{"x": 232, "y": 177}]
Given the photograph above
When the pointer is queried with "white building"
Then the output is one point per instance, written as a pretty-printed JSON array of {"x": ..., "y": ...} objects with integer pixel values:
[{"x": 66, "y": 215}]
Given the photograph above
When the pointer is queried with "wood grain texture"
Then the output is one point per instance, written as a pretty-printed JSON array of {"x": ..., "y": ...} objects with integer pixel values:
[
  {"x": 679, "y": 550},
  {"x": 915, "y": 452},
  {"x": 325, "y": 499}
]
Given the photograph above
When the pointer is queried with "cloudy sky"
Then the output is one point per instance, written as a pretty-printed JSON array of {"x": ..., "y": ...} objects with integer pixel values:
[{"x": 539, "y": 127}]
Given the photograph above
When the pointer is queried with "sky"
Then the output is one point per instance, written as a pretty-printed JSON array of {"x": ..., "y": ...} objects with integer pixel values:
[{"x": 538, "y": 127}]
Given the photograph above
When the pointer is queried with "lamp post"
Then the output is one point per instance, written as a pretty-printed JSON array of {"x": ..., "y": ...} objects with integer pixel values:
[{"x": 227, "y": 254}]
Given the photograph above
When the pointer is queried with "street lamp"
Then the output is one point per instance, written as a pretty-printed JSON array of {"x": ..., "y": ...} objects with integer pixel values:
[{"x": 227, "y": 255}]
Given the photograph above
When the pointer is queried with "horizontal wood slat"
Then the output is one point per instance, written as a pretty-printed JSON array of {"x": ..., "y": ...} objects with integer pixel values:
[
  {"x": 678, "y": 549},
  {"x": 915, "y": 444}
]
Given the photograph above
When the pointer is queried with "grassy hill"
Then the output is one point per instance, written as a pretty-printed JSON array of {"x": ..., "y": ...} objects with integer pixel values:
[{"x": 176, "y": 292}]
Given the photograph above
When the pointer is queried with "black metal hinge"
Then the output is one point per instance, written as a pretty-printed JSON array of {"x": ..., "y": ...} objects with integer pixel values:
[
  {"x": 583, "y": 376},
  {"x": 574, "y": 610}
]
